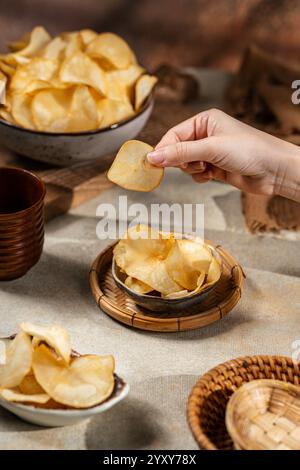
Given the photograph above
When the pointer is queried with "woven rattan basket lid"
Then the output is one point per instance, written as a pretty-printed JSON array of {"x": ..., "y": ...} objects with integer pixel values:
[
  {"x": 113, "y": 301},
  {"x": 265, "y": 415}
]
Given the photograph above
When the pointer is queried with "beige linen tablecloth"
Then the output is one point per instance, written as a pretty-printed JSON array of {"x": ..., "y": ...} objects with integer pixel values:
[{"x": 161, "y": 368}]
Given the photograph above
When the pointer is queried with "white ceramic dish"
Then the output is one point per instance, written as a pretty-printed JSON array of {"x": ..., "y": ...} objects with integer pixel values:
[
  {"x": 64, "y": 149},
  {"x": 58, "y": 418}
]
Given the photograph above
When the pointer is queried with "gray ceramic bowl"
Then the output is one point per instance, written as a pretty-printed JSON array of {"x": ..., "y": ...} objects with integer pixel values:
[
  {"x": 155, "y": 303},
  {"x": 64, "y": 149}
]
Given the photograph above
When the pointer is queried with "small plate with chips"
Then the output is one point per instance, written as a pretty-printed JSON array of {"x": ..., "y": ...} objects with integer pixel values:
[
  {"x": 45, "y": 382},
  {"x": 163, "y": 273},
  {"x": 73, "y": 97}
]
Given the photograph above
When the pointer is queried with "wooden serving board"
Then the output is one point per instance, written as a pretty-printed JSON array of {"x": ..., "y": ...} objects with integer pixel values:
[{"x": 69, "y": 187}]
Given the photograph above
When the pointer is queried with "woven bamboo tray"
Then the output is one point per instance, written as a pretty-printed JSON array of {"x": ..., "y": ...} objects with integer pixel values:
[
  {"x": 113, "y": 301},
  {"x": 208, "y": 400},
  {"x": 265, "y": 415}
]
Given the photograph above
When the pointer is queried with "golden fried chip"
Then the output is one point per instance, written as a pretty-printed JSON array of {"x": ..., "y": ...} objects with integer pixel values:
[
  {"x": 7, "y": 69},
  {"x": 185, "y": 293},
  {"x": 186, "y": 261},
  {"x": 112, "y": 51},
  {"x": 14, "y": 60},
  {"x": 74, "y": 44},
  {"x": 137, "y": 286},
  {"x": 17, "y": 396},
  {"x": 87, "y": 35},
  {"x": 121, "y": 83},
  {"x": 86, "y": 382},
  {"x": 144, "y": 258},
  {"x": 131, "y": 169},
  {"x": 111, "y": 111},
  {"x": 37, "y": 39},
  {"x": 3, "y": 81},
  {"x": 54, "y": 50},
  {"x": 37, "y": 69},
  {"x": 143, "y": 88},
  {"x": 29, "y": 385},
  {"x": 214, "y": 272},
  {"x": 18, "y": 361},
  {"x": 20, "y": 110},
  {"x": 84, "y": 112},
  {"x": 54, "y": 335},
  {"x": 4, "y": 114},
  {"x": 149, "y": 270},
  {"x": 50, "y": 110},
  {"x": 80, "y": 69},
  {"x": 148, "y": 240}
]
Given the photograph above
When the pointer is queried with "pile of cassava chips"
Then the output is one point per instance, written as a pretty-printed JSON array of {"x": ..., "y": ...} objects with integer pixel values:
[
  {"x": 40, "y": 370},
  {"x": 157, "y": 262},
  {"x": 74, "y": 82}
]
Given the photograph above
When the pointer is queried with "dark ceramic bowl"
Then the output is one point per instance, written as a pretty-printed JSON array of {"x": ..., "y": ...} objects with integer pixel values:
[
  {"x": 21, "y": 222},
  {"x": 155, "y": 303},
  {"x": 64, "y": 149}
]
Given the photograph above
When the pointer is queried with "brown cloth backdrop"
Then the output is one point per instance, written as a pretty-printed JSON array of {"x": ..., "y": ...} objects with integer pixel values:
[{"x": 180, "y": 32}]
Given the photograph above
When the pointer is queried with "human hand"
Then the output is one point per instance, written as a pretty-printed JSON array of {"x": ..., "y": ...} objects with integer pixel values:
[{"x": 213, "y": 145}]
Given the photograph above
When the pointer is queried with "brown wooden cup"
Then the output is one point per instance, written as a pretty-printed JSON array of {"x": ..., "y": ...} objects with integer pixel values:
[{"x": 22, "y": 197}]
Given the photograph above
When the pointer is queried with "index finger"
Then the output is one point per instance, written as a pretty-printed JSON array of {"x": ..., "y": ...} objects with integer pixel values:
[{"x": 194, "y": 128}]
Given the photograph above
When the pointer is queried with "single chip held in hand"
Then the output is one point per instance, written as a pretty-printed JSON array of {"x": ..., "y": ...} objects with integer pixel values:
[{"x": 131, "y": 169}]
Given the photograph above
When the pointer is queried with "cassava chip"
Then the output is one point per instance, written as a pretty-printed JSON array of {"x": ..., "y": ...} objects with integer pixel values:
[
  {"x": 54, "y": 335},
  {"x": 87, "y": 36},
  {"x": 214, "y": 272},
  {"x": 54, "y": 50},
  {"x": 138, "y": 286},
  {"x": 152, "y": 242},
  {"x": 50, "y": 110},
  {"x": 3, "y": 80},
  {"x": 4, "y": 114},
  {"x": 20, "y": 110},
  {"x": 29, "y": 385},
  {"x": 17, "y": 396},
  {"x": 80, "y": 69},
  {"x": 17, "y": 362},
  {"x": 144, "y": 258},
  {"x": 121, "y": 83},
  {"x": 131, "y": 169},
  {"x": 143, "y": 88},
  {"x": 186, "y": 261},
  {"x": 112, "y": 51},
  {"x": 87, "y": 381},
  {"x": 37, "y": 69},
  {"x": 71, "y": 110},
  {"x": 37, "y": 39},
  {"x": 111, "y": 111},
  {"x": 7, "y": 69}
]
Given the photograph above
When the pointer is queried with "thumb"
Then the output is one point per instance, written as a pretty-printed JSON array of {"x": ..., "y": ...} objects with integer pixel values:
[{"x": 185, "y": 152}]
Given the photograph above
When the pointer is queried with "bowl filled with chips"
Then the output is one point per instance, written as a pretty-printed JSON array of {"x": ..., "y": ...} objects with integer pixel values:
[
  {"x": 45, "y": 382},
  {"x": 72, "y": 98},
  {"x": 164, "y": 273}
]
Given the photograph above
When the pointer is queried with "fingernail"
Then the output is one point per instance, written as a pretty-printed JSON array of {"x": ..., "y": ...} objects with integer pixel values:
[{"x": 155, "y": 157}]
